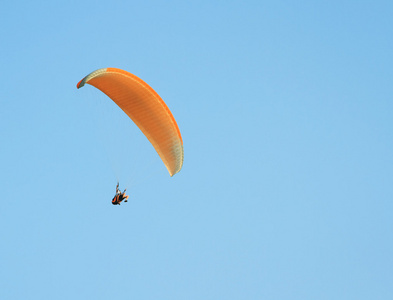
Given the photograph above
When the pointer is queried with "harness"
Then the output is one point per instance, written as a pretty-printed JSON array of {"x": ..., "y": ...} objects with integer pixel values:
[{"x": 117, "y": 199}]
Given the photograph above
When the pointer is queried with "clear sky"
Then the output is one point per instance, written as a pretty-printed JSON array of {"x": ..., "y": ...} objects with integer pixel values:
[{"x": 285, "y": 109}]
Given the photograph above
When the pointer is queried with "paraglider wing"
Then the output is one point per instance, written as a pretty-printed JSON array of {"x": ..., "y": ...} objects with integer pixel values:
[{"x": 146, "y": 108}]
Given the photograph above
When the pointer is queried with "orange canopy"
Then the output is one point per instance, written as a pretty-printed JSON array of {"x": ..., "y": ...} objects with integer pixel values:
[{"x": 146, "y": 108}]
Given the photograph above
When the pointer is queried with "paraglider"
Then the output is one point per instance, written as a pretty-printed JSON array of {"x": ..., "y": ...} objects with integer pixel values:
[
  {"x": 119, "y": 196},
  {"x": 146, "y": 109}
]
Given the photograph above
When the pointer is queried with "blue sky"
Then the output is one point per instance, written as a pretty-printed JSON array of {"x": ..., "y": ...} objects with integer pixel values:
[{"x": 285, "y": 108}]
